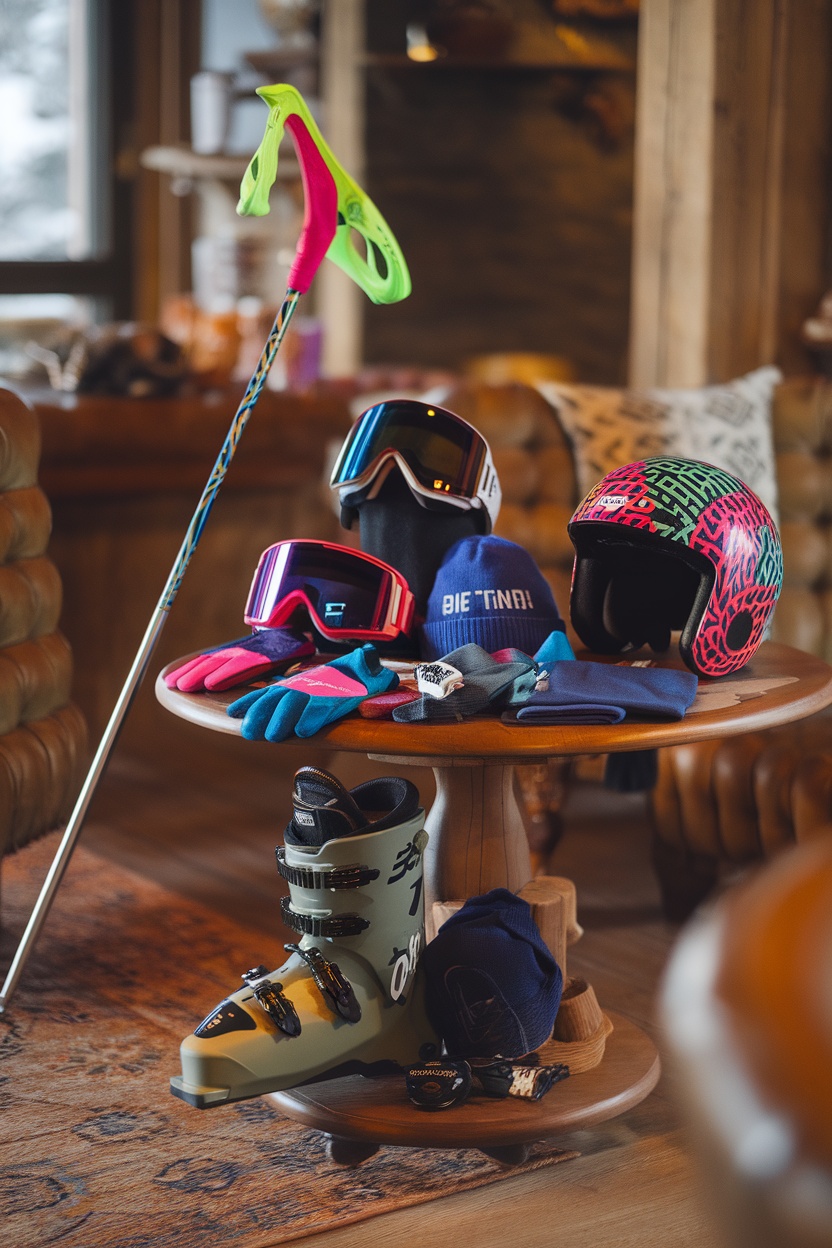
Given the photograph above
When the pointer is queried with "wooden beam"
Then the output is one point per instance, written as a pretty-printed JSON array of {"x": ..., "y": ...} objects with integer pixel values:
[
  {"x": 166, "y": 55},
  {"x": 732, "y": 148},
  {"x": 339, "y": 301},
  {"x": 672, "y": 193}
]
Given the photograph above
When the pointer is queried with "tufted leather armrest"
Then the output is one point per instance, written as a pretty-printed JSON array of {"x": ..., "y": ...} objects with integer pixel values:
[{"x": 42, "y": 734}]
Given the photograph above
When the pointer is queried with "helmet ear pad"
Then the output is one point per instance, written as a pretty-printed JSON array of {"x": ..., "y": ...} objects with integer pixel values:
[
  {"x": 591, "y": 577},
  {"x": 628, "y": 592}
]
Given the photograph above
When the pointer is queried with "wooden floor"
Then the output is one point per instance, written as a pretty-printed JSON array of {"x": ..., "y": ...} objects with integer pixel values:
[{"x": 203, "y": 819}]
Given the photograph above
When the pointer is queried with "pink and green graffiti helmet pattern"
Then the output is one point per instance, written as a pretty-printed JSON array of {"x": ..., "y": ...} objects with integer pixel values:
[{"x": 669, "y": 543}]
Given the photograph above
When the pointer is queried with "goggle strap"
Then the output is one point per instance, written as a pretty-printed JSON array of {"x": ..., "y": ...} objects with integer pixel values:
[{"x": 375, "y": 482}]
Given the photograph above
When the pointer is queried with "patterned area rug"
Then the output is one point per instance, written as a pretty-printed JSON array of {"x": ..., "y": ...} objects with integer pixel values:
[{"x": 95, "y": 1150}]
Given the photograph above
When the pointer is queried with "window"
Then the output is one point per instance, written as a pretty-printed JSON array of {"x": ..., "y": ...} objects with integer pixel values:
[
  {"x": 47, "y": 159},
  {"x": 60, "y": 259}
]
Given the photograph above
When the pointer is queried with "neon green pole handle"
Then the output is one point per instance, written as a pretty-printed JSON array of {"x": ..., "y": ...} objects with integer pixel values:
[{"x": 335, "y": 205}]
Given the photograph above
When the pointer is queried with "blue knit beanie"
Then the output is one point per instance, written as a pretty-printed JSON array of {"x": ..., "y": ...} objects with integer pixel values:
[{"x": 489, "y": 591}]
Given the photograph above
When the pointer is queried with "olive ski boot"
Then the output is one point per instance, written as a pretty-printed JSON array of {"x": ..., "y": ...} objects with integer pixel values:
[{"x": 349, "y": 999}]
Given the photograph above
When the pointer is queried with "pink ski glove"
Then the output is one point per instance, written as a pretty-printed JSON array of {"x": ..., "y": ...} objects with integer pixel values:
[{"x": 238, "y": 662}]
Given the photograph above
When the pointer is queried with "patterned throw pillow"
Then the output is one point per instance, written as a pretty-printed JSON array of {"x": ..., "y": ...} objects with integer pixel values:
[{"x": 725, "y": 425}]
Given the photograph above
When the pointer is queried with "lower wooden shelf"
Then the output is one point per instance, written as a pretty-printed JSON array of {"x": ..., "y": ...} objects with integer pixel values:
[{"x": 361, "y": 1115}]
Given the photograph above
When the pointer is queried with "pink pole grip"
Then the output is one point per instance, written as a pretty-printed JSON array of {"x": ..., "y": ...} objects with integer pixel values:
[{"x": 320, "y": 219}]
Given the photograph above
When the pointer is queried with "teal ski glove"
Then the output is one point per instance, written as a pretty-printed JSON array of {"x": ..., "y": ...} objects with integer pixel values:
[{"x": 305, "y": 703}]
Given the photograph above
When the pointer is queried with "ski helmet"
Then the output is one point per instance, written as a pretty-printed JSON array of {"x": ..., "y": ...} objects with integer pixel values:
[{"x": 670, "y": 544}]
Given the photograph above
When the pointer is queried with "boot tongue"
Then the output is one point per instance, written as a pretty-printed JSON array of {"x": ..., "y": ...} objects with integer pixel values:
[{"x": 323, "y": 809}]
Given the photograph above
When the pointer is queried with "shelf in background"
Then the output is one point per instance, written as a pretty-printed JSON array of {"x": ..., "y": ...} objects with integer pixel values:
[
  {"x": 102, "y": 445},
  {"x": 181, "y": 161},
  {"x": 530, "y": 47},
  {"x": 274, "y": 61},
  {"x": 504, "y": 64}
]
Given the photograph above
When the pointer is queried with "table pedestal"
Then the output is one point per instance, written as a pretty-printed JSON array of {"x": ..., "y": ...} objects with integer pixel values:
[{"x": 478, "y": 838}]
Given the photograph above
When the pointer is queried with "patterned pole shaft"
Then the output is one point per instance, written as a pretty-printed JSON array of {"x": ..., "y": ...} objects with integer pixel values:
[
  {"x": 134, "y": 678},
  {"x": 229, "y": 446}
]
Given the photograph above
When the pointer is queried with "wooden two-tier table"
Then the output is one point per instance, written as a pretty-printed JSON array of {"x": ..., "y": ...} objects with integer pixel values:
[{"x": 478, "y": 842}]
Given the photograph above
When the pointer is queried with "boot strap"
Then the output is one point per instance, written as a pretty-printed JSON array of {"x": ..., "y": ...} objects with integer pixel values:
[
  {"x": 271, "y": 996},
  {"x": 354, "y": 876},
  {"x": 312, "y": 925}
]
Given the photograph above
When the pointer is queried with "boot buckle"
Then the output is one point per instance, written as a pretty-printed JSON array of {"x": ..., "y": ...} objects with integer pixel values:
[
  {"x": 333, "y": 985},
  {"x": 333, "y": 926},
  {"x": 272, "y": 998},
  {"x": 353, "y": 876}
]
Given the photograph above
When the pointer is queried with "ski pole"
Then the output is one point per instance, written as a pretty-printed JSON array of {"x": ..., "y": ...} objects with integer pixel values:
[{"x": 334, "y": 207}]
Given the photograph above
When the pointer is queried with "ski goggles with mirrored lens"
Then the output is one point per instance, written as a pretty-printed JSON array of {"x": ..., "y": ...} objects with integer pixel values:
[
  {"x": 348, "y": 595},
  {"x": 441, "y": 457}
]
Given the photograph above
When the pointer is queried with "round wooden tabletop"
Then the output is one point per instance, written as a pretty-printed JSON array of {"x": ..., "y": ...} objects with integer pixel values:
[{"x": 779, "y": 685}]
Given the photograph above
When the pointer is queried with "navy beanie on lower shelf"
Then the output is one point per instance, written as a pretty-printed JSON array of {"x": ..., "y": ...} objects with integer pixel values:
[
  {"x": 492, "y": 987},
  {"x": 491, "y": 592}
]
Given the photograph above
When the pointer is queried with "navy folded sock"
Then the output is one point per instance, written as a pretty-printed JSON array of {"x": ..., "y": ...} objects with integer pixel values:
[
  {"x": 587, "y": 692},
  {"x": 541, "y": 712}
]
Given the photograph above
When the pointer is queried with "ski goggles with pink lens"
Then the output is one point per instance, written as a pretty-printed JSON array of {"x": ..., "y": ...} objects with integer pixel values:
[
  {"x": 348, "y": 595},
  {"x": 443, "y": 459}
]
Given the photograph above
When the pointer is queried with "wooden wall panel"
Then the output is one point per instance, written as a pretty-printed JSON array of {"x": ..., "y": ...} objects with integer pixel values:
[
  {"x": 806, "y": 204},
  {"x": 508, "y": 183},
  {"x": 514, "y": 218}
]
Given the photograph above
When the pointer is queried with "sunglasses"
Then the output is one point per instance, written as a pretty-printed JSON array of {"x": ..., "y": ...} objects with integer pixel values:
[
  {"x": 348, "y": 595},
  {"x": 441, "y": 457}
]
